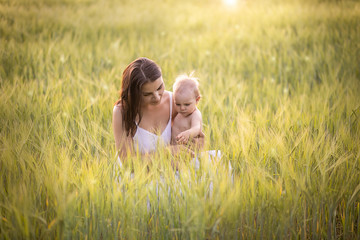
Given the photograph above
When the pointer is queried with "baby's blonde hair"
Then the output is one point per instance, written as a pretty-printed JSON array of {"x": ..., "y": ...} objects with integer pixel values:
[{"x": 184, "y": 82}]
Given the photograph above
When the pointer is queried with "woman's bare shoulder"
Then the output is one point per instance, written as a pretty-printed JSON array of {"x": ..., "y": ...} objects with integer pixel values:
[
  {"x": 117, "y": 107},
  {"x": 174, "y": 112},
  {"x": 167, "y": 94},
  {"x": 117, "y": 111}
]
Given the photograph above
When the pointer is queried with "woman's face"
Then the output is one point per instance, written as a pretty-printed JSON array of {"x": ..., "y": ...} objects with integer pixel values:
[{"x": 152, "y": 92}]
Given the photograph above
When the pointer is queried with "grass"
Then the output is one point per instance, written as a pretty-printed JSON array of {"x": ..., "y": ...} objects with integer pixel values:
[{"x": 280, "y": 86}]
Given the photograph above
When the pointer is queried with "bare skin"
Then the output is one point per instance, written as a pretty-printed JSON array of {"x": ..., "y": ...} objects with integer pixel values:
[
  {"x": 155, "y": 110},
  {"x": 186, "y": 127},
  {"x": 188, "y": 122},
  {"x": 155, "y": 107}
]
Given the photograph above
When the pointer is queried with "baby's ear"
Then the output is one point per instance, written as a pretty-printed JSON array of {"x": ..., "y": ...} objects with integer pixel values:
[{"x": 197, "y": 99}]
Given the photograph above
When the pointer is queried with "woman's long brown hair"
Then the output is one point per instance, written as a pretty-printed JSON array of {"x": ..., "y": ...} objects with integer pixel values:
[{"x": 140, "y": 71}]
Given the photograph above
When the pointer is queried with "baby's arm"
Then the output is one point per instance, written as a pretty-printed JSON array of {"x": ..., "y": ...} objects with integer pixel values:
[{"x": 194, "y": 131}]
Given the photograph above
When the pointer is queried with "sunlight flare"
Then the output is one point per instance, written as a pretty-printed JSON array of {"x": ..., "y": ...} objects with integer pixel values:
[{"x": 230, "y": 3}]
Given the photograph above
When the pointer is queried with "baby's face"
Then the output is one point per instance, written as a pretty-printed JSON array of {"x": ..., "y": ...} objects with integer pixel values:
[{"x": 185, "y": 102}]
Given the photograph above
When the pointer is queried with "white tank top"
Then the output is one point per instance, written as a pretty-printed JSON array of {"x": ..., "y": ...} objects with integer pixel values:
[{"x": 146, "y": 141}]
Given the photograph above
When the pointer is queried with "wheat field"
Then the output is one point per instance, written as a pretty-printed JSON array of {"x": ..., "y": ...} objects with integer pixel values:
[{"x": 280, "y": 84}]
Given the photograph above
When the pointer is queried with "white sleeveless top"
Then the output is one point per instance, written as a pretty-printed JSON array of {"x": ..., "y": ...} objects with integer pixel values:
[{"x": 146, "y": 141}]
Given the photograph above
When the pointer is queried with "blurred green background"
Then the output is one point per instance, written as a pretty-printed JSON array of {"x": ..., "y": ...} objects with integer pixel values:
[{"x": 280, "y": 98}]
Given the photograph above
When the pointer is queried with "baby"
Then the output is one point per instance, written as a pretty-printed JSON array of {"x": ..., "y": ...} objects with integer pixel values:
[{"x": 188, "y": 122}]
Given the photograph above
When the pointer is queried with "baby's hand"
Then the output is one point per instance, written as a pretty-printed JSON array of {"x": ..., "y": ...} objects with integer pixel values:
[{"x": 183, "y": 137}]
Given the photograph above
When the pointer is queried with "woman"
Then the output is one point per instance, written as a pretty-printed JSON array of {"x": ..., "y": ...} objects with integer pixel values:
[{"x": 142, "y": 116}]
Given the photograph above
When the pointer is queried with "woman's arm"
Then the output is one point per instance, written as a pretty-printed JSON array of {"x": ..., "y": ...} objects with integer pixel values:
[{"x": 123, "y": 143}]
